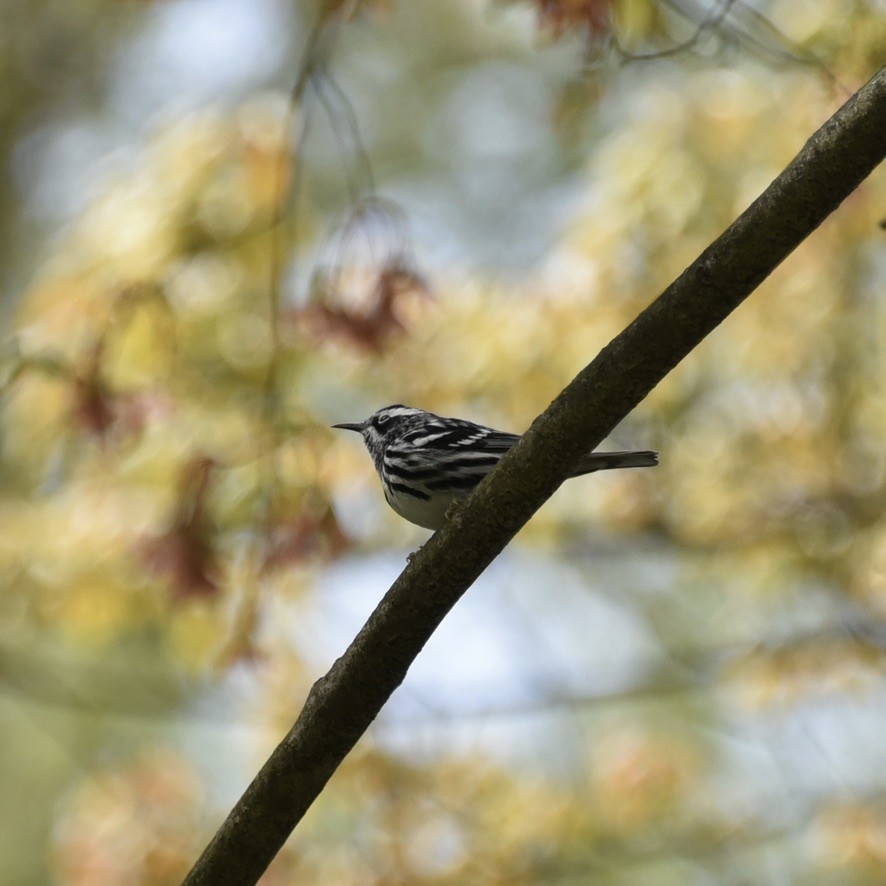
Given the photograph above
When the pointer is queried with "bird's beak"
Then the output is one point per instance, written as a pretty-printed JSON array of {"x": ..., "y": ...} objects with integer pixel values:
[{"x": 351, "y": 426}]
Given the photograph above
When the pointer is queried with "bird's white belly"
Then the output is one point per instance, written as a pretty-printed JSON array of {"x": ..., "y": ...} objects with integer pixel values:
[{"x": 430, "y": 514}]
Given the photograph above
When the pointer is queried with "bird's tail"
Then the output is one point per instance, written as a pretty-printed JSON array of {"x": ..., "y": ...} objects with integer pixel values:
[{"x": 605, "y": 461}]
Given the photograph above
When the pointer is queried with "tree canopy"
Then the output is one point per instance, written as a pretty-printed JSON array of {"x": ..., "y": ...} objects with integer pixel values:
[{"x": 670, "y": 674}]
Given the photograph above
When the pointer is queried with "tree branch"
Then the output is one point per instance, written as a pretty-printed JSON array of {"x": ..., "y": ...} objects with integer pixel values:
[{"x": 342, "y": 704}]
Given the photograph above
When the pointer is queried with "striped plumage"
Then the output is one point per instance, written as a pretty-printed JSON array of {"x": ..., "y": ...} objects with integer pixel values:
[{"x": 426, "y": 462}]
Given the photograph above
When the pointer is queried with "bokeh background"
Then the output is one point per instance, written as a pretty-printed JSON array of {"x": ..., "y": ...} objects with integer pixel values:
[{"x": 671, "y": 676}]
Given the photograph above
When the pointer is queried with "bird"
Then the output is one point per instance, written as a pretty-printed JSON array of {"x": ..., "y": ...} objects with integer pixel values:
[{"x": 426, "y": 461}]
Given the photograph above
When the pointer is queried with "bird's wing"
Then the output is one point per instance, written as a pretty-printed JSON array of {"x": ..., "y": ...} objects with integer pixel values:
[{"x": 456, "y": 437}]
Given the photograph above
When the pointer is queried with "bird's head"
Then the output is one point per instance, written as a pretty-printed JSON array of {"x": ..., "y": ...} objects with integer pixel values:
[{"x": 385, "y": 424}]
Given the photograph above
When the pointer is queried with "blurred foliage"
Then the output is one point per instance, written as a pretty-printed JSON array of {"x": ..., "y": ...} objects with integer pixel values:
[
  {"x": 54, "y": 58},
  {"x": 173, "y": 497}
]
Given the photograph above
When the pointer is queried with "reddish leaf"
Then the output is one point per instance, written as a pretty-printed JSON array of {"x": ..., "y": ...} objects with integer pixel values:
[
  {"x": 308, "y": 534},
  {"x": 559, "y": 16},
  {"x": 184, "y": 554},
  {"x": 94, "y": 406},
  {"x": 100, "y": 411},
  {"x": 378, "y": 323}
]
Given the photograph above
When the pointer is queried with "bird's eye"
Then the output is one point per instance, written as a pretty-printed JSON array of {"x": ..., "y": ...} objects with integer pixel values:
[{"x": 382, "y": 419}]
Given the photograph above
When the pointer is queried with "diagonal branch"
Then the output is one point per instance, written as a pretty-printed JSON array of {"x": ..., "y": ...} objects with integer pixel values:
[{"x": 342, "y": 704}]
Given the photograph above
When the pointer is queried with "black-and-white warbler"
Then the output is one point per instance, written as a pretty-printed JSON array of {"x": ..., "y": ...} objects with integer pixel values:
[{"x": 426, "y": 462}]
